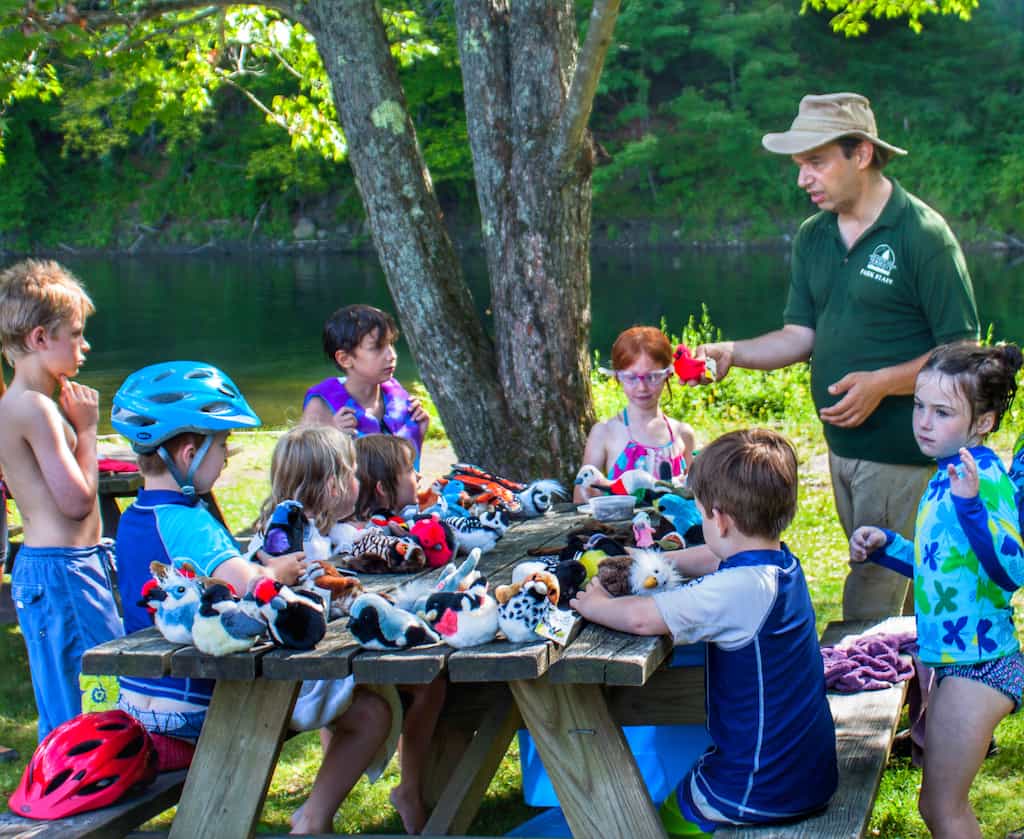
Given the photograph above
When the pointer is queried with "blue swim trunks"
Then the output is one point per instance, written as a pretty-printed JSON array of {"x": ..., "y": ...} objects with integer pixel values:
[
  {"x": 65, "y": 605},
  {"x": 1005, "y": 674}
]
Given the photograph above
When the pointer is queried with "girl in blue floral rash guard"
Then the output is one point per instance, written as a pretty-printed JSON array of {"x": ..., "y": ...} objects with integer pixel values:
[{"x": 966, "y": 561}]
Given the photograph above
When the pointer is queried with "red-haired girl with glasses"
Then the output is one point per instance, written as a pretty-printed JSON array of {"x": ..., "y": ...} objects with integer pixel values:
[{"x": 640, "y": 436}]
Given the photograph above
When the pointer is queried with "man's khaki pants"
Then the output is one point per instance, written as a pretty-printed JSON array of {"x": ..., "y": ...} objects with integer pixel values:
[{"x": 883, "y": 495}]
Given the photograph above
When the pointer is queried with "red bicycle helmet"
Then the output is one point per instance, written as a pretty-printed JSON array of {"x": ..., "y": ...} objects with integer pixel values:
[{"x": 88, "y": 762}]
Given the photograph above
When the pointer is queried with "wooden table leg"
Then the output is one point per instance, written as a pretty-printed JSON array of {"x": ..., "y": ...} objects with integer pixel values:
[
  {"x": 586, "y": 756},
  {"x": 468, "y": 781},
  {"x": 234, "y": 759}
]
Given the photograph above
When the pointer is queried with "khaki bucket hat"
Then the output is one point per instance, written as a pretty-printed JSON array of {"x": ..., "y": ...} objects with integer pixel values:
[{"x": 822, "y": 119}]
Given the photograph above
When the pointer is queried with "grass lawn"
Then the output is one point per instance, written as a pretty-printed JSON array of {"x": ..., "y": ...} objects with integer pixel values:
[{"x": 779, "y": 400}]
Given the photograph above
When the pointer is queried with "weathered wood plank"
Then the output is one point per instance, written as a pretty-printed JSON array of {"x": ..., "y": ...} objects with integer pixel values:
[
  {"x": 330, "y": 659},
  {"x": 108, "y": 823},
  {"x": 462, "y": 796},
  {"x": 672, "y": 696},
  {"x": 234, "y": 759},
  {"x": 417, "y": 666},
  {"x": 604, "y": 656},
  {"x": 146, "y": 654},
  {"x": 501, "y": 660},
  {"x": 586, "y": 756},
  {"x": 189, "y": 662}
]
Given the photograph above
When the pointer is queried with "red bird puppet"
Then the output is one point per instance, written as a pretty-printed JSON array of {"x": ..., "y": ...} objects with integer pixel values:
[{"x": 690, "y": 369}]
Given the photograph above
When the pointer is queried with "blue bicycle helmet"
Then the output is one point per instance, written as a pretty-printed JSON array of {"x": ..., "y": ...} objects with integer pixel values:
[{"x": 163, "y": 400}]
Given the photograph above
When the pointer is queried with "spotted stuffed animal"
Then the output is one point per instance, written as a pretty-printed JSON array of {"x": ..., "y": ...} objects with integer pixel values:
[{"x": 523, "y": 605}]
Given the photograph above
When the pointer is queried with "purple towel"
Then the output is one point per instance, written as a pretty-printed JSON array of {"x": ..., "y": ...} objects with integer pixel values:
[{"x": 870, "y": 663}]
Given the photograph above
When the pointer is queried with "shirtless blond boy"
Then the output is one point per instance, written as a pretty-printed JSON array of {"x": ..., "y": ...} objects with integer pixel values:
[{"x": 61, "y": 582}]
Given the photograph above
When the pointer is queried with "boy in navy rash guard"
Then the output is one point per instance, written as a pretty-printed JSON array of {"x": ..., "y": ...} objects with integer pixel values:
[{"x": 773, "y": 756}]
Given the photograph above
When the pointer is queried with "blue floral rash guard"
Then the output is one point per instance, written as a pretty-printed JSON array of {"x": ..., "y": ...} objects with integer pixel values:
[{"x": 966, "y": 561}]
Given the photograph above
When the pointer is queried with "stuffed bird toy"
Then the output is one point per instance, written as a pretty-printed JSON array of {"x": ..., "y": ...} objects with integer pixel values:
[
  {"x": 640, "y": 573},
  {"x": 341, "y": 586},
  {"x": 174, "y": 597},
  {"x": 295, "y": 618},
  {"x": 632, "y": 482},
  {"x": 225, "y": 625},
  {"x": 483, "y": 532},
  {"x": 683, "y": 515},
  {"x": 690, "y": 369},
  {"x": 436, "y": 537},
  {"x": 643, "y": 530},
  {"x": 378, "y": 624},
  {"x": 286, "y": 529},
  {"x": 465, "y": 618},
  {"x": 523, "y": 605},
  {"x": 539, "y": 497}
]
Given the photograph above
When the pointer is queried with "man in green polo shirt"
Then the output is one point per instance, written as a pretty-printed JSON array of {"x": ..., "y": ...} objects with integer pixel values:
[{"x": 878, "y": 280}]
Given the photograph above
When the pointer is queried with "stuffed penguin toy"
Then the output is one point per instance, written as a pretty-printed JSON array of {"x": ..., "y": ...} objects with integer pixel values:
[
  {"x": 378, "y": 624},
  {"x": 523, "y": 605},
  {"x": 464, "y": 618}
]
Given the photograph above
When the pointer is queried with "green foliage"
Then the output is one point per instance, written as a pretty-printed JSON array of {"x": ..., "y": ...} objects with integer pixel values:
[
  {"x": 850, "y": 19},
  {"x": 687, "y": 92}
]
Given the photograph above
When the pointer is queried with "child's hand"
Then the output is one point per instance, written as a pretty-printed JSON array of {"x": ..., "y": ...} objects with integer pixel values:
[
  {"x": 963, "y": 479},
  {"x": 419, "y": 414},
  {"x": 80, "y": 404},
  {"x": 864, "y": 542},
  {"x": 588, "y": 601},
  {"x": 286, "y": 568},
  {"x": 345, "y": 420}
]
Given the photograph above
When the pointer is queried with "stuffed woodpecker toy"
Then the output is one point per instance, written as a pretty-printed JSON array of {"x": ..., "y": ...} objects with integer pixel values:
[{"x": 481, "y": 532}]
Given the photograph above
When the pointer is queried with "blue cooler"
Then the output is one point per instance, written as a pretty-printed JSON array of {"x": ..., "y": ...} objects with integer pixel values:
[{"x": 663, "y": 753}]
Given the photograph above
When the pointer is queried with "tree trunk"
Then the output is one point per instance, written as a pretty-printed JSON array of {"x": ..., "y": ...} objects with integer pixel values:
[{"x": 520, "y": 404}]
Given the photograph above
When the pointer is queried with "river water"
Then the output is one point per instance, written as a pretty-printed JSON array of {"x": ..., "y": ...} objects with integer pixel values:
[{"x": 259, "y": 317}]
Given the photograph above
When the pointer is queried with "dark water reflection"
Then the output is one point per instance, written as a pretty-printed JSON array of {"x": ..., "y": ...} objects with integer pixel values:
[{"x": 259, "y": 318}]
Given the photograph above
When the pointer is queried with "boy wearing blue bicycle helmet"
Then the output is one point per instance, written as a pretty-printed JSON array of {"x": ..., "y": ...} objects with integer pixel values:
[{"x": 178, "y": 416}]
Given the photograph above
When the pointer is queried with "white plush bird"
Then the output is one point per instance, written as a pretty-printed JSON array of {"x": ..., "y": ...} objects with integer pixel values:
[
  {"x": 174, "y": 598},
  {"x": 628, "y": 483},
  {"x": 652, "y": 573}
]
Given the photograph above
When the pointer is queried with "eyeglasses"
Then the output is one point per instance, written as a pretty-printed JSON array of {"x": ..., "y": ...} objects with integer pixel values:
[{"x": 627, "y": 379}]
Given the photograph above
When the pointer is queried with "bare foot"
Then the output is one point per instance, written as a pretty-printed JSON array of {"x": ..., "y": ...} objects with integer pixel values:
[
  {"x": 409, "y": 805},
  {"x": 301, "y": 826}
]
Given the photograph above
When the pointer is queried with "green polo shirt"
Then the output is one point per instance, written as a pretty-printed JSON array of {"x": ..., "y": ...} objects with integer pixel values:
[{"x": 902, "y": 289}]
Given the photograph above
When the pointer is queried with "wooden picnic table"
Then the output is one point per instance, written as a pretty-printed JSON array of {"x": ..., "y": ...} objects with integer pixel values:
[{"x": 573, "y": 700}]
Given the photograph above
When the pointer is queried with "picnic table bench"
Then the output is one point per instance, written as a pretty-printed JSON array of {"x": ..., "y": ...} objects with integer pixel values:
[{"x": 573, "y": 700}]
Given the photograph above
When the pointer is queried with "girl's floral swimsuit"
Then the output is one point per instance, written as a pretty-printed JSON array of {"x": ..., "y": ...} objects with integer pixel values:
[{"x": 658, "y": 460}]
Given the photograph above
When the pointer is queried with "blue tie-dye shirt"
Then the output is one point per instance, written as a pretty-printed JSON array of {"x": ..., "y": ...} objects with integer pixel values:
[{"x": 966, "y": 561}]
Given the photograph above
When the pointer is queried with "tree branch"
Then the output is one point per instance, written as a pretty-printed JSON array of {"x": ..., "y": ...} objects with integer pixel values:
[
  {"x": 580, "y": 100},
  {"x": 105, "y": 17},
  {"x": 276, "y": 117},
  {"x": 126, "y": 44}
]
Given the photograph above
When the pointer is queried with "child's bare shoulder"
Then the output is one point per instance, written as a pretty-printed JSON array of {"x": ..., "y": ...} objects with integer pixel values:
[{"x": 30, "y": 415}]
